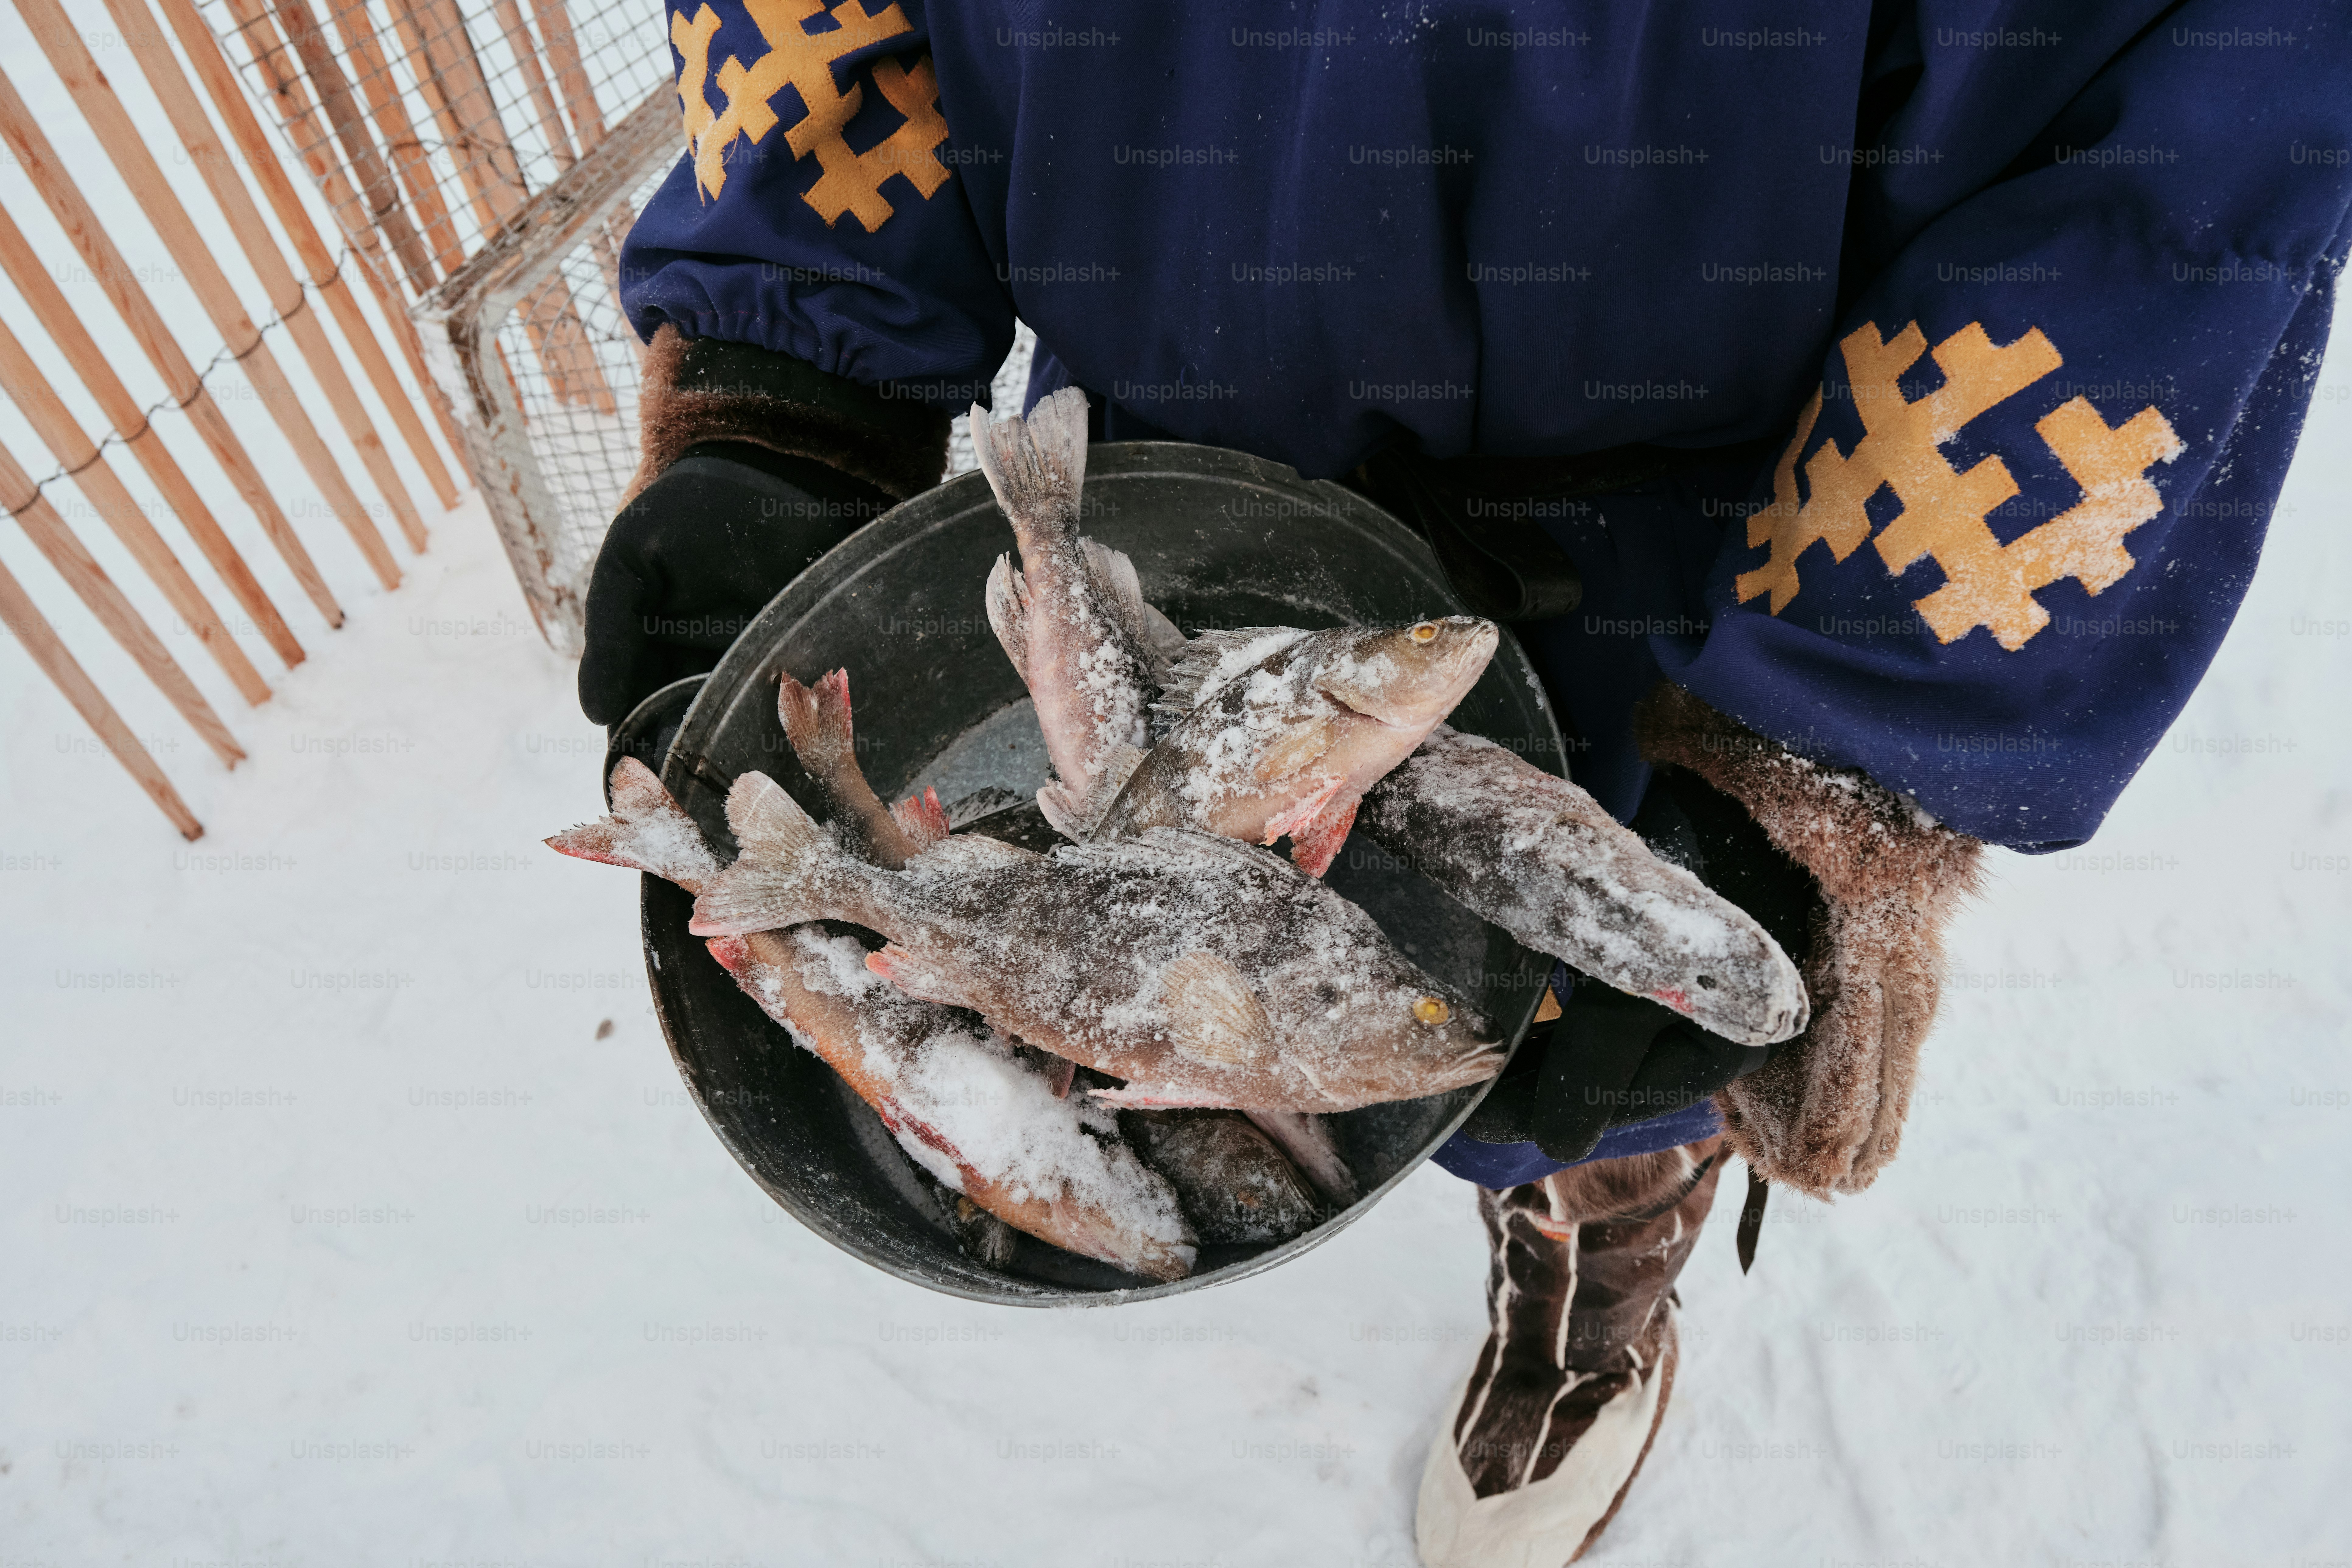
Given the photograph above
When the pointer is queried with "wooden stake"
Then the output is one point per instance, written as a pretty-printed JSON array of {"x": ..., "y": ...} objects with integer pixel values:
[
  {"x": 279, "y": 283},
  {"x": 526, "y": 53},
  {"x": 47, "y": 302},
  {"x": 244, "y": 129},
  {"x": 379, "y": 194},
  {"x": 32, "y": 279},
  {"x": 402, "y": 144},
  {"x": 88, "y": 87},
  {"x": 453, "y": 82},
  {"x": 94, "y": 588},
  {"x": 51, "y": 421},
  {"x": 48, "y": 651},
  {"x": 312, "y": 141}
]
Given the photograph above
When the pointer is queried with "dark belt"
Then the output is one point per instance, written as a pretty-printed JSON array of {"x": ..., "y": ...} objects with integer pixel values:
[{"x": 1478, "y": 514}]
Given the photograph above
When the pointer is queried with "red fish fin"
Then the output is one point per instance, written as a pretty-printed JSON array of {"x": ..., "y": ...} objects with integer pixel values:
[
  {"x": 915, "y": 974},
  {"x": 924, "y": 819},
  {"x": 1314, "y": 847}
]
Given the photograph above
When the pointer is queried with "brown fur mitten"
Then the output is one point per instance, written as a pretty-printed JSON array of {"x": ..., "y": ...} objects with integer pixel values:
[
  {"x": 701, "y": 389},
  {"x": 1825, "y": 1115}
]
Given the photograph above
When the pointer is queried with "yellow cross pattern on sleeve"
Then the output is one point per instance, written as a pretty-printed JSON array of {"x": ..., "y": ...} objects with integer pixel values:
[
  {"x": 1985, "y": 583},
  {"x": 848, "y": 182}
]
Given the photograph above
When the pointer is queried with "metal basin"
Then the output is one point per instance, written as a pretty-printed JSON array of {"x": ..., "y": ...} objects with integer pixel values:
[{"x": 1219, "y": 538}]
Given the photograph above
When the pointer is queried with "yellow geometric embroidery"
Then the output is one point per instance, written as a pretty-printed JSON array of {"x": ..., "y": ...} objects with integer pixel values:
[
  {"x": 1943, "y": 510},
  {"x": 850, "y": 181}
]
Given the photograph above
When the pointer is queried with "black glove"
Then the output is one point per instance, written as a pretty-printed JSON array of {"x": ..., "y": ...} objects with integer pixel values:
[
  {"x": 1610, "y": 1059},
  {"x": 697, "y": 557}
]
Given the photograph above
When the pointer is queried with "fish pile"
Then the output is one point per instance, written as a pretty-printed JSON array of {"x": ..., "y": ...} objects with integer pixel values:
[{"x": 1165, "y": 1082}]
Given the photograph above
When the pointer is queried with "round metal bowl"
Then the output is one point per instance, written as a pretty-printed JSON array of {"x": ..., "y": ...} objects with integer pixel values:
[{"x": 1219, "y": 538}]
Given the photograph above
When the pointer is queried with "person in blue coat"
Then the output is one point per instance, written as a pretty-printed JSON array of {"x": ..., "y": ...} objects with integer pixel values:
[{"x": 1869, "y": 420}]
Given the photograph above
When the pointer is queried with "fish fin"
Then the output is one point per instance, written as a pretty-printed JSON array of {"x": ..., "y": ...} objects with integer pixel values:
[
  {"x": 1314, "y": 844},
  {"x": 1191, "y": 669},
  {"x": 915, "y": 974},
  {"x": 1078, "y": 814},
  {"x": 816, "y": 719},
  {"x": 1036, "y": 464},
  {"x": 767, "y": 822},
  {"x": 1008, "y": 612},
  {"x": 922, "y": 816},
  {"x": 773, "y": 882},
  {"x": 1212, "y": 1014},
  {"x": 1065, "y": 810},
  {"x": 1306, "y": 1140},
  {"x": 979, "y": 803},
  {"x": 1115, "y": 570},
  {"x": 1160, "y": 633},
  {"x": 647, "y": 831},
  {"x": 1298, "y": 747},
  {"x": 1305, "y": 810}
]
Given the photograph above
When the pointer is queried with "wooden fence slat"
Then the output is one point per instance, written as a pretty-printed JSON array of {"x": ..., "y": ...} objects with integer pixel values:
[
  {"x": 98, "y": 481},
  {"x": 402, "y": 143},
  {"x": 122, "y": 620},
  {"x": 315, "y": 145},
  {"x": 244, "y": 129},
  {"x": 279, "y": 284},
  {"x": 49, "y": 650},
  {"x": 379, "y": 191},
  {"x": 468, "y": 117},
  {"x": 571, "y": 74},
  {"x": 70, "y": 57},
  {"x": 534, "y": 76},
  {"x": 31, "y": 276},
  {"x": 114, "y": 401}
]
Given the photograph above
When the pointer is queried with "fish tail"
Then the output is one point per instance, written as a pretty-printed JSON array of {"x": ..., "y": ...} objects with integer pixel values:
[
  {"x": 789, "y": 872},
  {"x": 1036, "y": 465},
  {"x": 647, "y": 831},
  {"x": 1007, "y": 598},
  {"x": 816, "y": 719},
  {"x": 923, "y": 818}
]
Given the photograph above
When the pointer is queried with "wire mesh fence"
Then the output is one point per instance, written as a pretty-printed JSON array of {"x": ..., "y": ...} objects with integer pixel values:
[
  {"x": 429, "y": 124},
  {"x": 486, "y": 158}
]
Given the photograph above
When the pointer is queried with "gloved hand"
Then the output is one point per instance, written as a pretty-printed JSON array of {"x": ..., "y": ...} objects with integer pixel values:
[
  {"x": 697, "y": 554},
  {"x": 1825, "y": 1113},
  {"x": 752, "y": 465},
  {"x": 1610, "y": 1059}
]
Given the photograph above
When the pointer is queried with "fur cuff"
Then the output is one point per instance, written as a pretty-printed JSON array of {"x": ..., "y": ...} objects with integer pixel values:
[
  {"x": 701, "y": 389},
  {"x": 1825, "y": 1115}
]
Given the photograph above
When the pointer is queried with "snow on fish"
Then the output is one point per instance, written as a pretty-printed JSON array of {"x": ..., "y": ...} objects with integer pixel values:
[
  {"x": 1202, "y": 971},
  {"x": 1537, "y": 855},
  {"x": 1290, "y": 743},
  {"x": 1072, "y": 616},
  {"x": 965, "y": 1106}
]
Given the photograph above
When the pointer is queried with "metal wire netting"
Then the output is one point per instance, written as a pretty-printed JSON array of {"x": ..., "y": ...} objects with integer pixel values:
[{"x": 427, "y": 124}]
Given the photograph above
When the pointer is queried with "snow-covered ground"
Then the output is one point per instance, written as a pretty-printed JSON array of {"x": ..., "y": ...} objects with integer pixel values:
[
  {"x": 352, "y": 1212},
  {"x": 340, "y": 1230}
]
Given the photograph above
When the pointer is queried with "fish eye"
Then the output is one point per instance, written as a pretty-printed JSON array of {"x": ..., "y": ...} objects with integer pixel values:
[
  {"x": 1424, "y": 633},
  {"x": 1431, "y": 1010}
]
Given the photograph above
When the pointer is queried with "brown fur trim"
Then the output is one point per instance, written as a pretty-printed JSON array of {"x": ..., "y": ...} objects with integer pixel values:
[
  {"x": 1825, "y": 1115},
  {"x": 698, "y": 390}
]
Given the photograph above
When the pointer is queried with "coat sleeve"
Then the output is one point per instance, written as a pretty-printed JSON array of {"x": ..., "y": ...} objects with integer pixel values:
[
  {"x": 818, "y": 212},
  {"x": 2011, "y": 529}
]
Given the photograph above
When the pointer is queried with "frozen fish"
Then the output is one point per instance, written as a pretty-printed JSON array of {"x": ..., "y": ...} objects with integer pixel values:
[
  {"x": 1288, "y": 743},
  {"x": 1071, "y": 617},
  {"x": 966, "y": 1106},
  {"x": 1202, "y": 971},
  {"x": 1537, "y": 855},
  {"x": 1235, "y": 1184}
]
